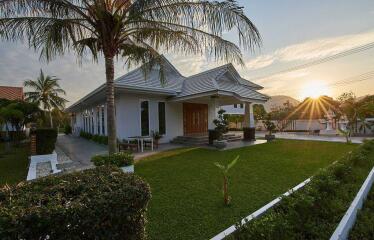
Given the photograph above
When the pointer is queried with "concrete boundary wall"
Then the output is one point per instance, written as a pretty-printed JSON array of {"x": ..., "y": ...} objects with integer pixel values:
[
  {"x": 52, "y": 158},
  {"x": 349, "y": 218},
  {"x": 259, "y": 212}
]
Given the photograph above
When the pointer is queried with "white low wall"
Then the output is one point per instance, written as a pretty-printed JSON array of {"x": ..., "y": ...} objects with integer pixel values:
[
  {"x": 347, "y": 222},
  {"x": 52, "y": 158},
  {"x": 259, "y": 212}
]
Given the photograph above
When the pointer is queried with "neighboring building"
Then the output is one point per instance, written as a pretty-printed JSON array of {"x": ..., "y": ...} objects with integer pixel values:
[
  {"x": 182, "y": 106},
  {"x": 11, "y": 93}
]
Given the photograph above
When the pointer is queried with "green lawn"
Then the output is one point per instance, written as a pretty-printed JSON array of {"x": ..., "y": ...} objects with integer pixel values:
[
  {"x": 187, "y": 201},
  {"x": 13, "y": 163}
]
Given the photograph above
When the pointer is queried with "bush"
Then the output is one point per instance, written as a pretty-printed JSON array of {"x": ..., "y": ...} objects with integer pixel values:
[
  {"x": 96, "y": 138},
  {"x": 67, "y": 129},
  {"x": 314, "y": 211},
  {"x": 45, "y": 140},
  {"x": 119, "y": 159},
  {"x": 100, "y": 203}
]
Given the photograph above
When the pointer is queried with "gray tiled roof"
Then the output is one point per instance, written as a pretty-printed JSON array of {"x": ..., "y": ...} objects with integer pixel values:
[
  {"x": 151, "y": 80},
  {"x": 223, "y": 78}
]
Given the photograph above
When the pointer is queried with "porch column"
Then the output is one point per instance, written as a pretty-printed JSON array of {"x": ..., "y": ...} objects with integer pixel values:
[
  {"x": 212, "y": 112},
  {"x": 249, "y": 120}
]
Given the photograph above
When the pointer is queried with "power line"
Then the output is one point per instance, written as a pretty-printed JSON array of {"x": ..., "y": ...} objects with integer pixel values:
[
  {"x": 358, "y": 78},
  {"x": 321, "y": 60}
]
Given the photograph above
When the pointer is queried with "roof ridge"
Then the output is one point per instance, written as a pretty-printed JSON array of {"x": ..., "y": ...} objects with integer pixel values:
[{"x": 208, "y": 71}]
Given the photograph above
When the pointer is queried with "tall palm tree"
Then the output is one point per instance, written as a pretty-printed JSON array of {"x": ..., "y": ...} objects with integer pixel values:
[
  {"x": 46, "y": 91},
  {"x": 136, "y": 30}
]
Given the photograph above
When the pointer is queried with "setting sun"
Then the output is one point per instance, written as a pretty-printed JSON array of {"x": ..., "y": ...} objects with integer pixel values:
[{"x": 314, "y": 89}]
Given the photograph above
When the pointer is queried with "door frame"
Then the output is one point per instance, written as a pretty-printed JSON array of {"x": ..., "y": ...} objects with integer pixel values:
[{"x": 205, "y": 118}]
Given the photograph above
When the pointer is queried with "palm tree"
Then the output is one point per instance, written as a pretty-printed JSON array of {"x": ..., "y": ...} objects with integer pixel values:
[
  {"x": 136, "y": 30},
  {"x": 46, "y": 91}
]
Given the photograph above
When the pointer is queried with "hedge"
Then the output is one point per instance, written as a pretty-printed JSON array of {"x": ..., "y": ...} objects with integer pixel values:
[
  {"x": 99, "y": 203},
  {"x": 315, "y": 211},
  {"x": 119, "y": 159},
  {"x": 45, "y": 140},
  {"x": 94, "y": 137}
]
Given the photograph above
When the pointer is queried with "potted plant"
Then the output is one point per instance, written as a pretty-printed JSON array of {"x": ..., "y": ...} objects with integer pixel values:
[
  {"x": 270, "y": 127},
  {"x": 221, "y": 128},
  {"x": 123, "y": 160},
  {"x": 156, "y": 137}
]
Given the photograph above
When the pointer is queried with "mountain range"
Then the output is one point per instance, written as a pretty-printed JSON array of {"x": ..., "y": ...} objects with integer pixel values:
[{"x": 278, "y": 101}]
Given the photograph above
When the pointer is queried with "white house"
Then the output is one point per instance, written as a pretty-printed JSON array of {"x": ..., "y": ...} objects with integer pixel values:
[{"x": 179, "y": 107}]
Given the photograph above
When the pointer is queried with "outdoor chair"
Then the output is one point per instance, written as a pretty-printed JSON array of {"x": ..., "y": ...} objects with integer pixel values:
[{"x": 125, "y": 145}]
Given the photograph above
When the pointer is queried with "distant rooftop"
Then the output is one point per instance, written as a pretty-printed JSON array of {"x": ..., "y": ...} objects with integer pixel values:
[{"x": 11, "y": 93}]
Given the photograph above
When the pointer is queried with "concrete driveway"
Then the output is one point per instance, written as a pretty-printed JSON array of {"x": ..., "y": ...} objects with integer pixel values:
[{"x": 80, "y": 150}]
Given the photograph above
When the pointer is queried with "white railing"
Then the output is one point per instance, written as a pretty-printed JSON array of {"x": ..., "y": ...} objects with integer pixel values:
[
  {"x": 259, "y": 212},
  {"x": 349, "y": 218}
]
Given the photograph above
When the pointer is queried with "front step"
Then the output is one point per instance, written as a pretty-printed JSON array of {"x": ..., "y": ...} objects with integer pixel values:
[{"x": 203, "y": 140}]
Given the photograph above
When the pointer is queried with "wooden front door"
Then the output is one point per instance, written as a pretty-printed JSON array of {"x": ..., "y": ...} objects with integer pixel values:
[{"x": 195, "y": 118}]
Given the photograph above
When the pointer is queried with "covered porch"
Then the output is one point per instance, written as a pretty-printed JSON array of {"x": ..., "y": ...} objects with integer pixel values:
[{"x": 199, "y": 111}]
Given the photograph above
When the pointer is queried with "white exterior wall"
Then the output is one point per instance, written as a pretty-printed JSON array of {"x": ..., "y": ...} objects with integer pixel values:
[{"x": 128, "y": 117}]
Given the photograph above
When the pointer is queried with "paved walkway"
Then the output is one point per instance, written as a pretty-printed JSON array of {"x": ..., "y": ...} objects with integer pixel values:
[
  {"x": 80, "y": 150},
  {"x": 313, "y": 137}
]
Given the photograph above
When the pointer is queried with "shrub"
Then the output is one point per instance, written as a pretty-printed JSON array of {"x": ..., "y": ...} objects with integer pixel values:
[
  {"x": 96, "y": 138},
  {"x": 314, "y": 211},
  {"x": 119, "y": 159},
  {"x": 100, "y": 203},
  {"x": 67, "y": 129},
  {"x": 45, "y": 140}
]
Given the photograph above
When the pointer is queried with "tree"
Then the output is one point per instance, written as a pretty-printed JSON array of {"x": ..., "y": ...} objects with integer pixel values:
[
  {"x": 18, "y": 114},
  {"x": 46, "y": 91},
  {"x": 349, "y": 107},
  {"x": 221, "y": 124},
  {"x": 225, "y": 173},
  {"x": 259, "y": 111},
  {"x": 135, "y": 30}
]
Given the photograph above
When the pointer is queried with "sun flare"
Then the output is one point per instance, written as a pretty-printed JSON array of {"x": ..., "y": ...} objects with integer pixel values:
[{"x": 314, "y": 89}]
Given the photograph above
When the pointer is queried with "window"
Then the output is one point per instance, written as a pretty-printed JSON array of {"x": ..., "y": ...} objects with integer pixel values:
[
  {"x": 144, "y": 118},
  {"x": 161, "y": 118},
  {"x": 102, "y": 121},
  {"x": 92, "y": 123},
  {"x": 98, "y": 120},
  {"x": 235, "y": 105},
  {"x": 241, "y": 105}
]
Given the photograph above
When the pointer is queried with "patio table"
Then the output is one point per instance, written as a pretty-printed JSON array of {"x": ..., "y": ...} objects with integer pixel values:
[{"x": 140, "y": 140}]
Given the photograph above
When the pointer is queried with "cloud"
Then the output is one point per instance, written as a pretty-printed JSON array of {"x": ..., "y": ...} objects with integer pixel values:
[{"x": 312, "y": 50}]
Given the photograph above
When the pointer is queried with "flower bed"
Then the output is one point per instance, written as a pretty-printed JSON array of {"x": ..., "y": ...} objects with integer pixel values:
[{"x": 315, "y": 211}]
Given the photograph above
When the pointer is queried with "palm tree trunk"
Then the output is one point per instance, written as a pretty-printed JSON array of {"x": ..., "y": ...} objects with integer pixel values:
[
  {"x": 50, "y": 118},
  {"x": 111, "y": 121}
]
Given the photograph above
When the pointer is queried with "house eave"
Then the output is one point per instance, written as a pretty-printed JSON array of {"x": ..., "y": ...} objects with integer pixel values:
[{"x": 217, "y": 93}]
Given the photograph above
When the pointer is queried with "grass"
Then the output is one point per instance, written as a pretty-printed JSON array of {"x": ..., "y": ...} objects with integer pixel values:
[
  {"x": 187, "y": 201},
  {"x": 13, "y": 163}
]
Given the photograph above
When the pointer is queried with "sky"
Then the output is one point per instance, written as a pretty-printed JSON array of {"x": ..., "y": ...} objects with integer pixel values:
[{"x": 294, "y": 32}]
